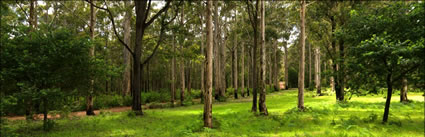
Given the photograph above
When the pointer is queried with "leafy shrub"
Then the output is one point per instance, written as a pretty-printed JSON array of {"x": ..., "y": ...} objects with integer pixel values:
[{"x": 158, "y": 96}]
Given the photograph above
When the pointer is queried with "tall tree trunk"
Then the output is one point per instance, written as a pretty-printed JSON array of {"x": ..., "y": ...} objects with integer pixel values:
[
  {"x": 182, "y": 82},
  {"x": 403, "y": 91},
  {"x": 140, "y": 30},
  {"x": 217, "y": 73},
  {"x": 285, "y": 46},
  {"x": 331, "y": 79},
  {"x": 302, "y": 59},
  {"x": 173, "y": 73},
  {"x": 235, "y": 68},
  {"x": 208, "y": 63},
  {"x": 89, "y": 103},
  {"x": 262, "y": 101},
  {"x": 254, "y": 62},
  {"x": 222, "y": 60},
  {"x": 317, "y": 71},
  {"x": 335, "y": 67},
  {"x": 189, "y": 79},
  {"x": 309, "y": 65},
  {"x": 275, "y": 69},
  {"x": 126, "y": 53},
  {"x": 202, "y": 64},
  {"x": 243, "y": 70},
  {"x": 270, "y": 66},
  {"x": 389, "y": 94}
]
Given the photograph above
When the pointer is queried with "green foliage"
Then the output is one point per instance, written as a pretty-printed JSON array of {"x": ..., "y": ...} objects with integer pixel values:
[
  {"x": 108, "y": 101},
  {"x": 156, "y": 96}
]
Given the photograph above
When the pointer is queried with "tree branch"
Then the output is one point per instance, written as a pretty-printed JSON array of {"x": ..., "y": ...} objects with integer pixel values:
[
  {"x": 113, "y": 25},
  {"x": 165, "y": 8},
  {"x": 405, "y": 72},
  {"x": 161, "y": 36},
  {"x": 25, "y": 12}
]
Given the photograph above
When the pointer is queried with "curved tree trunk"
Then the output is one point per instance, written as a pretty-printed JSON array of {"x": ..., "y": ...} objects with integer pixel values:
[{"x": 389, "y": 94}]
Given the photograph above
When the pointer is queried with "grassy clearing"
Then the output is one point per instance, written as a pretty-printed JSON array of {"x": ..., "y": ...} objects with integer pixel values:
[{"x": 361, "y": 116}]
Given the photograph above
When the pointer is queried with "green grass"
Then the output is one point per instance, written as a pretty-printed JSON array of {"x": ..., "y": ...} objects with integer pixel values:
[{"x": 361, "y": 116}]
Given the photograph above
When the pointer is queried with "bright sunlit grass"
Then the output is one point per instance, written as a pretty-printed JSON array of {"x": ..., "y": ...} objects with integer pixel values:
[{"x": 361, "y": 116}]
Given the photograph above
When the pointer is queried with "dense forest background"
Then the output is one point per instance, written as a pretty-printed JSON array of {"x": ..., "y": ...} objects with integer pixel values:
[{"x": 66, "y": 56}]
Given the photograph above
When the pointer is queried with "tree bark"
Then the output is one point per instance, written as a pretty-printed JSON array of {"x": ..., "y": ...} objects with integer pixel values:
[
  {"x": 235, "y": 67},
  {"x": 331, "y": 79},
  {"x": 262, "y": 101},
  {"x": 243, "y": 70},
  {"x": 317, "y": 71},
  {"x": 182, "y": 76},
  {"x": 302, "y": 59},
  {"x": 126, "y": 53},
  {"x": 285, "y": 46},
  {"x": 275, "y": 69},
  {"x": 208, "y": 63},
  {"x": 140, "y": 30},
  {"x": 173, "y": 72},
  {"x": 309, "y": 65},
  {"x": 403, "y": 91},
  {"x": 389, "y": 94},
  {"x": 217, "y": 71},
  {"x": 89, "y": 105}
]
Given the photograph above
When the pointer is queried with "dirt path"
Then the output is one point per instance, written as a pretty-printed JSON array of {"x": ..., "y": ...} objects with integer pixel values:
[{"x": 76, "y": 114}]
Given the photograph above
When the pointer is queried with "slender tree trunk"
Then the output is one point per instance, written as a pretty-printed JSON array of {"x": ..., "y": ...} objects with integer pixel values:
[
  {"x": 286, "y": 65},
  {"x": 389, "y": 94},
  {"x": 309, "y": 65},
  {"x": 89, "y": 105},
  {"x": 254, "y": 63},
  {"x": 317, "y": 71},
  {"x": 403, "y": 91},
  {"x": 208, "y": 63},
  {"x": 173, "y": 73},
  {"x": 302, "y": 59},
  {"x": 222, "y": 44},
  {"x": 275, "y": 69},
  {"x": 189, "y": 79},
  {"x": 182, "y": 82},
  {"x": 270, "y": 66},
  {"x": 243, "y": 70},
  {"x": 331, "y": 79},
  {"x": 217, "y": 73},
  {"x": 203, "y": 90},
  {"x": 126, "y": 53},
  {"x": 235, "y": 68},
  {"x": 262, "y": 103}
]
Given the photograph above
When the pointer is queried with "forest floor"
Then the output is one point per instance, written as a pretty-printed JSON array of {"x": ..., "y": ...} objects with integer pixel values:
[{"x": 360, "y": 116}]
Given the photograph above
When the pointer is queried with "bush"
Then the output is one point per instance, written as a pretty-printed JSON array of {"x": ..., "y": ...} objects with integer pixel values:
[{"x": 156, "y": 96}]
